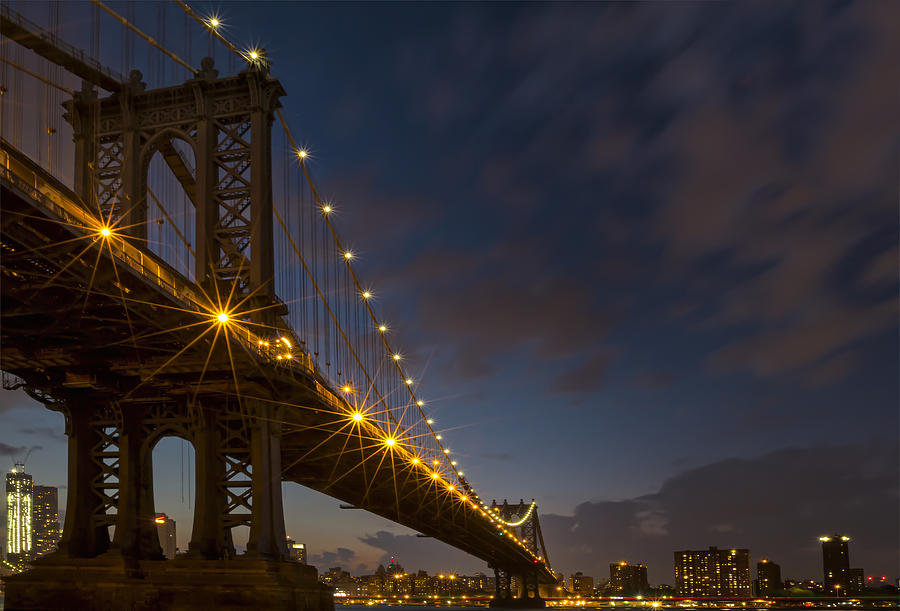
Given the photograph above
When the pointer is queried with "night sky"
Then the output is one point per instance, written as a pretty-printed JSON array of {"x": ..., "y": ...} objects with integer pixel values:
[{"x": 643, "y": 257}]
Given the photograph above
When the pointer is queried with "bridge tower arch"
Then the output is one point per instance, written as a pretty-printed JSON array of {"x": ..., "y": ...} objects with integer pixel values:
[
  {"x": 520, "y": 589},
  {"x": 228, "y": 123}
]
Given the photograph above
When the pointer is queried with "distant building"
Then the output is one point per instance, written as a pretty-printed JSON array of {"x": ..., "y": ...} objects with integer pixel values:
[
  {"x": 768, "y": 578},
  {"x": 375, "y": 584},
  {"x": 422, "y": 585},
  {"x": 165, "y": 530},
  {"x": 19, "y": 503},
  {"x": 296, "y": 551},
  {"x": 581, "y": 584},
  {"x": 836, "y": 564},
  {"x": 45, "y": 520},
  {"x": 627, "y": 579},
  {"x": 856, "y": 581},
  {"x": 713, "y": 572},
  {"x": 344, "y": 583}
]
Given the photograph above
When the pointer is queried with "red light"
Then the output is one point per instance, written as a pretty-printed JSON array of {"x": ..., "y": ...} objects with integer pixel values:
[
  {"x": 883, "y": 578},
  {"x": 160, "y": 519},
  {"x": 869, "y": 578}
]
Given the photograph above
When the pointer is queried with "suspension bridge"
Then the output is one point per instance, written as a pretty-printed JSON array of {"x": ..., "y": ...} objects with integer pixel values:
[{"x": 164, "y": 273}]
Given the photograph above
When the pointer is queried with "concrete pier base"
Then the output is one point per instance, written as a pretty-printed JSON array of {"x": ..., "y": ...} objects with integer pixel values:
[{"x": 112, "y": 582}]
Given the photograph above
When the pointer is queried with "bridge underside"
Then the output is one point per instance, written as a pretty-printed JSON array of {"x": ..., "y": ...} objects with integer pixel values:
[{"x": 128, "y": 358}]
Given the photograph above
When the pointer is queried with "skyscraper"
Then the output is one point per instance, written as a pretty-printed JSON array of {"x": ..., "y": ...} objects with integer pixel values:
[
  {"x": 835, "y": 563},
  {"x": 165, "y": 530},
  {"x": 768, "y": 577},
  {"x": 713, "y": 572},
  {"x": 296, "y": 551},
  {"x": 627, "y": 579},
  {"x": 45, "y": 520},
  {"x": 19, "y": 501}
]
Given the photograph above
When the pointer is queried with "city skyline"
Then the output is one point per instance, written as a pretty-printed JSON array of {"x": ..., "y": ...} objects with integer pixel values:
[{"x": 712, "y": 326}]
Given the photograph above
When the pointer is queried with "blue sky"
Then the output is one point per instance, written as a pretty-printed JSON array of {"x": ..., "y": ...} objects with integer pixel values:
[{"x": 625, "y": 246}]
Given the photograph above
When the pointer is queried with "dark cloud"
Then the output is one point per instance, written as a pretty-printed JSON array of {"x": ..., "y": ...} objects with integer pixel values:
[
  {"x": 504, "y": 310},
  {"x": 590, "y": 376},
  {"x": 775, "y": 505},
  {"x": 419, "y": 552},
  {"x": 654, "y": 380},
  {"x": 18, "y": 452},
  {"x": 12, "y": 451},
  {"x": 342, "y": 557},
  {"x": 50, "y": 432},
  {"x": 744, "y": 155}
]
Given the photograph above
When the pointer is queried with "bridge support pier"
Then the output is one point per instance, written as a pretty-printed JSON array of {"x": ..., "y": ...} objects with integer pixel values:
[
  {"x": 238, "y": 458},
  {"x": 84, "y": 535},
  {"x": 516, "y": 591},
  {"x": 267, "y": 534}
]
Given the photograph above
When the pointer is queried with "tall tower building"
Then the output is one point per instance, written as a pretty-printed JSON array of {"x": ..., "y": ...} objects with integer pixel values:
[
  {"x": 165, "y": 530},
  {"x": 45, "y": 520},
  {"x": 19, "y": 501},
  {"x": 713, "y": 572},
  {"x": 768, "y": 577},
  {"x": 628, "y": 579},
  {"x": 836, "y": 563}
]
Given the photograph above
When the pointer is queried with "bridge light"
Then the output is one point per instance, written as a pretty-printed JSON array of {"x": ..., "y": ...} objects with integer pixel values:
[
  {"x": 430, "y": 421},
  {"x": 390, "y": 441},
  {"x": 420, "y": 403},
  {"x": 415, "y": 461},
  {"x": 446, "y": 450},
  {"x": 453, "y": 462},
  {"x": 408, "y": 381},
  {"x": 302, "y": 154},
  {"x": 366, "y": 294},
  {"x": 105, "y": 232},
  {"x": 382, "y": 328},
  {"x": 435, "y": 475},
  {"x": 396, "y": 357},
  {"x": 438, "y": 437},
  {"x": 223, "y": 317},
  {"x": 286, "y": 343},
  {"x": 254, "y": 54},
  {"x": 358, "y": 416},
  {"x": 435, "y": 461},
  {"x": 348, "y": 255},
  {"x": 450, "y": 487},
  {"x": 326, "y": 209},
  {"x": 460, "y": 473},
  {"x": 213, "y": 23},
  {"x": 347, "y": 388}
]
